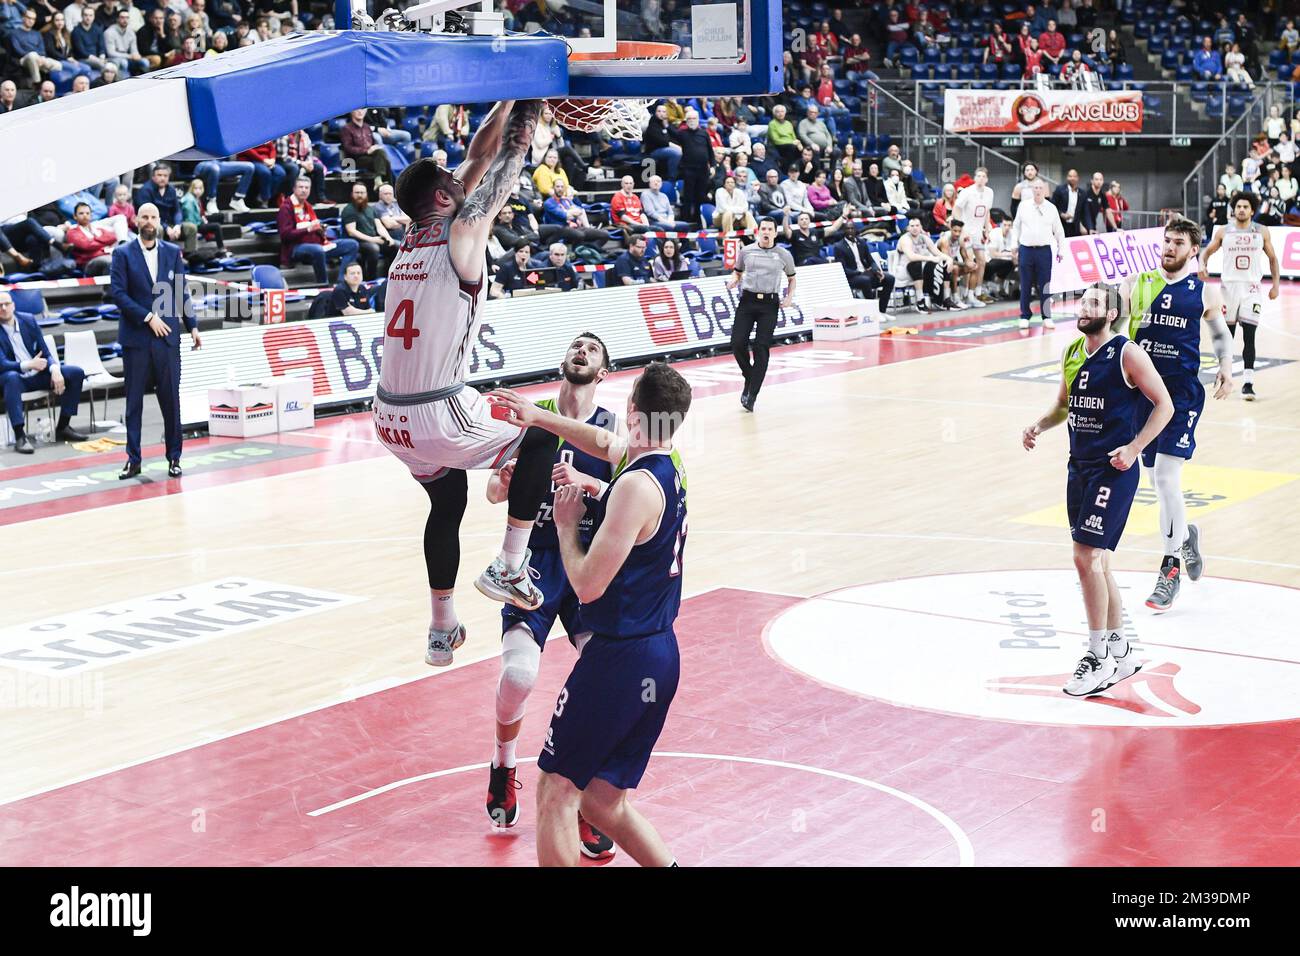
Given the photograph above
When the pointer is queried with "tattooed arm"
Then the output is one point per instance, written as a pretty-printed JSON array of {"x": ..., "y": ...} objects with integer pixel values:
[
  {"x": 484, "y": 146},
  {"x": 473, "y": 224}
]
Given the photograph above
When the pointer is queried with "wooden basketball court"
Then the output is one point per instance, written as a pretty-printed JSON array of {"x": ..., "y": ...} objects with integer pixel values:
[{"x": 229, "y": 668}]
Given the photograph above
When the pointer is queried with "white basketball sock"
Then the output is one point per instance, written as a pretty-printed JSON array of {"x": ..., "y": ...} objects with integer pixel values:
[
  {"x": 514, "y": 545},
  {"x": 1167, "y": 476},
  {"x": 1116, "y": 642},
  {"x": 444, "y": 612},
  {"x": 1097, "y": 644},
  {"x": 505, "y": 753}
]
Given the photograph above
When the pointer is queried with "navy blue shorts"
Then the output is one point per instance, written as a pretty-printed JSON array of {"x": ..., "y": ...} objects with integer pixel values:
[
  {"x": 608, "y": 717},
  {"x": 1178, "y": 437},
  {"x": 558, "y": 600},
  {"x": 1098, "y": 499}
]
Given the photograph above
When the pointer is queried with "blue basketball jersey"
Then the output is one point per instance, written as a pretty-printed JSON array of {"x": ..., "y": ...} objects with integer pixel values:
[
  {"x": 543, "y": 535},
  {"x": 1165, "y": 320},
  {"x": 644, "y": 596},
  {"x": 1101, "y": 401}
]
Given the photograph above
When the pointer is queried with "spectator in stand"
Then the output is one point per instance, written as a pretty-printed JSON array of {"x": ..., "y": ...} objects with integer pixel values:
[
  {"x": 864, "y": 275},
  {"x": 1231, "y": 181},
  {"x": 11, "y": 15},
  {"x": 267, "y": 174},
  {"x": 159, "y": 191},
  {"x": 1052, "y": 43},
  {"x": 1286, "y": 148},
  {"x": 781, "y": 136},
  {"x": 625, "y": 211},
  {"x": 1068, "y": 199},
  {"x": 350, "y": 297},
  {"x": 731, "y": 208},
  {"x": 46, "y": 92},
  {"x": 1274, "y": 125},
  {"x": 857, "y": 61},
  {"x": 772, "y": 202},
  {"x": 1116, "y": 52},
  {"x": 1287, "y": 187},
  {"x": 656, "y": 142},
  {"x": 303, "y": 238},
  {"x": 1074, "y": 69},
  {"x": 153, "y": 41},
  {"x": 28, "y": 48},
  {"x": 511, "y": 228},
  {"x": 119, "y": 42},
  {"x": 1224, "y": 34},
  {"x": 659, "y": 209},
  {"x": 1216, "y": 213},
  {"x": 837, "y": 186},
  {"x": 738, "y": 140},
  {"x": 631, "y": 268},
  {"x": 1035, "y": 19},
  {"x": 107, "y": 77},
  {"x": 821, "y": 199},
  {"x": 92, "y": 244},
  {"x": 219, "y": 44},
  {"x": 806, "y": 241},
  {"x": 1116, "y": 206},
  {"x": 9, "y": 100},
  {"x": 896, "y": 192},
  {"x": 361, "y": 147},
  {"x": 122, "y": 206},
  {"x": 796, "y": 194},
  {"x": 824, "y": 43},
  {"x": 943, "y": 207},
  {"x": 188, "y": 52},
  {"x": 1235, "y": 64},
  {"x": 192, "y": 213},
  {"x": 1065, "y": 16},
  {"x": 293, "y": 154},
  {"x": 1086, "y": 14},
  {"x": 897, "y": 37},
  {"x": 911, "y": 186},
  {"x": 88, "y": 41},
  {"x": 561, "y": 210},
  {"x": 893, "y": 159},
  {"x": 1270, "y": 210},
  {"x": 667, "y": 262},
  {"x": 760, "y": 162},
  {"x": 557, "y": 258},
  {"x": 1206, "y": 62},
  {"x": 876, "y": 189},
  {"x": 998, "y": 49},
  {"x": 1248, "y": 40},
  {"x": 836, "y": 114},
  {"x": 513, "y": 274},
  {"x": 212, "y": 171},
  {"x": 1289, "y": 42},
  {"x": 725, "y": 108},
  {"x": 1022, "y": 43},
  {"x": 696, "y": 167},
  {"x": 361, "y": 222},
  {"x": 549, "y": 173},
  {"x": 1033, "y": 60},
  {"x": 809, "y": 167},
  {"x": 390, "y": 214},
  {"x": 58, "y": 44},
  {"x": 855, "y": 190},
  {"x": 715, "y": 131}
]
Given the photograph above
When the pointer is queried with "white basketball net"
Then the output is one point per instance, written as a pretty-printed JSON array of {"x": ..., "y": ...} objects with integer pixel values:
[{"x": 621, "y": 119}]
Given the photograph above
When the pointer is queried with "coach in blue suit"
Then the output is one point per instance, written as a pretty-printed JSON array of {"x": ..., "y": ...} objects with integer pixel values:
[
  {"x": 148, "y": 287},
  {"x": 28, "y": 365}
]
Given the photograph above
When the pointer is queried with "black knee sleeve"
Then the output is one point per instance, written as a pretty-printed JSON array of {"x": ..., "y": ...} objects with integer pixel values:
[
  {"x": 1248, "y": 344},
  {"x": 532, "y": 477},
  {"x": 447, "y": 499}
]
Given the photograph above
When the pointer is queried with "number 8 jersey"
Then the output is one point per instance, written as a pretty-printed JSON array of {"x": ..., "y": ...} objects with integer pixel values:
[{"x": 431, "y": 315}]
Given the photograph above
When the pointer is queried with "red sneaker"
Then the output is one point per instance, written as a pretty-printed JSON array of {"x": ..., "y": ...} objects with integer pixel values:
[
  {"x": 595, "y": 845},
  {"x": 502, "y": 804}
]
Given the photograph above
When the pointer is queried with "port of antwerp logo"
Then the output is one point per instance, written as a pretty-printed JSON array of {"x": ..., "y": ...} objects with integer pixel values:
[{"x": 1000, "y": 645}]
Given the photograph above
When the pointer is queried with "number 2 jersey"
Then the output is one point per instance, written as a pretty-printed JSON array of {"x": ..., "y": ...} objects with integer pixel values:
[
  {"x": 645, "y": 594},
  {"x": 1165, "y": 321},
  {"x": 1102, "y": 401},
  {"x": 543, "y": 535},
  {"x": 431, "y": 315}
]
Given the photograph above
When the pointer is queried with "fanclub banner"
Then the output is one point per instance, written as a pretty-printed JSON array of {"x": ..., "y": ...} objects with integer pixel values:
[
  {"x": 1286, "y": 244},
  {"x": 526, "y": 336},
  {"x": 1041, "y": 111}
]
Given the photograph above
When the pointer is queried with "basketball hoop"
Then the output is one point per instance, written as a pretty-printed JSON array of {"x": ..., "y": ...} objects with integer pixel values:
[{"x": 624, "y": 118}]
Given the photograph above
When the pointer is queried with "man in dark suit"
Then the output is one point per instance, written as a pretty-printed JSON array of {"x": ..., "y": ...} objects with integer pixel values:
[
  {"x": 148, "y": 287},
  {"x": 861, "y": 269},
  {"x": 1093, "y": 218},
  {"x": 1068, "y": 198},
  {"x": 27, "y": 365}
]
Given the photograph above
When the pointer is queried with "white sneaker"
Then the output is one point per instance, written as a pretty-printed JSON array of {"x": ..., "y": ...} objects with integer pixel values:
[
  {"x": 238, "y": 205},
  {"x": 1024, "y": 323},
  {"x": 211, "y": 208},
  {"x": 442, "y": 644},
  {"x": 1091, "y": 676},
  {"x": 510, "y": 587},
  {"x": 971, "y": 301},
  {"x": 1125, "y": 666},
  {"x": 1048, "y": 324}
]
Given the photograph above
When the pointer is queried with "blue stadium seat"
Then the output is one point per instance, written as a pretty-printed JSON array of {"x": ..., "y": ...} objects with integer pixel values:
[
  {"x": 1011, "y": 71},
  {"x": 1152, "y": 105},
  {"x": 966, "y": 72},
  {"x": 330, "y": 156},
  {"x": 908, "y": 57},
  {"x": 1184, "y": 73},
  {"x": 1236, "y": 106},
  {"x": 1276, "y": 59},
  {"x": 1170, "y": 59},
  {"x": 1295, "y": 58},
  {"x": 29, "y": 301},
  {"x": 1103, "y": 71},
  {"x": 932, "y": 55},
  {"x": 1214, "y": 105},
  {"x": 988, "y": 72},
  {"x": 944, "y": 71},
  {"x": 1124, "y": 72},
  {"x": 1284, "y": 73},
  {"x": 1142, "y": 29},
  {"x": 1200, "y": 91},
  {"x": 1156, "y": 44}
]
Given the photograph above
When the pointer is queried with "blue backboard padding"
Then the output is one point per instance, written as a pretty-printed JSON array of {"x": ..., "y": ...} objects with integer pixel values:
[{"x": 248, "y": 96}]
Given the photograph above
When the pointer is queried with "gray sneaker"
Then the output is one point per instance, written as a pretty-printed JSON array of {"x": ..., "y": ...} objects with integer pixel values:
[
  {"x": 510, "y": 587},
  {"x": 1192, "y": 553},
  {"x": 1162, "y": 598},
  {"x": 442, "y": 644}
]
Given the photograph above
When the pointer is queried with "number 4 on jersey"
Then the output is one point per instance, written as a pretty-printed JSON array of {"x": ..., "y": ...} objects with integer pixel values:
[{"x": 402, "y": 324}]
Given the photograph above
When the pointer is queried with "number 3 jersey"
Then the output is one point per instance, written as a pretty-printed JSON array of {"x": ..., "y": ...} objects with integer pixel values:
[
  {"x": 431, "y": 315},
  {"x": 1165, "y": 320},
  {"x": 645, "y": 594},
  {"x": 543, "y": 535},
  {"x": 1102, "y": 402}
]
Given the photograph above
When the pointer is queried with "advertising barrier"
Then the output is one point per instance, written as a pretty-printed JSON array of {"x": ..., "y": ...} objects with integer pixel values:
[
  {"x": 1041, "y": 111},
  {"x": 518, "y": 337},
  {"x": 1106, "y": 257}
]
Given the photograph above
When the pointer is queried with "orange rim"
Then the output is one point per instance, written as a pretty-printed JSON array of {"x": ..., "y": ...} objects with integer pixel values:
[{"x": 633, "y": 50}]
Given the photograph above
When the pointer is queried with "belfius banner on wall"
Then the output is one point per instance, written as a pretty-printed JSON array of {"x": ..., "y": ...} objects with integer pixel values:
[{"x": 1042, "y": 111}]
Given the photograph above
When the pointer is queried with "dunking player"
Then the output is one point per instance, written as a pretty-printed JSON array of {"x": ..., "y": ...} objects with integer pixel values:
[
  {"x": 423, "y": 413},
  {"x": 1163, "y": 311},
  {"x": 1243, "y": 241},
  {"x": 1101, "y": 375},
  {"x": 974, "y": 203},
  {"x": 613, "y": 705},
  {"x": 524, "y": 633}
]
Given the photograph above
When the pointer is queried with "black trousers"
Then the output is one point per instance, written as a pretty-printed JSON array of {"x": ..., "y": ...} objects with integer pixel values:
[
  {"x": 159, "y": 364},
  {"x": 868, "y": 282},
  {"x": 695, "y": 192},
  {"x": 757, "y": 315}
]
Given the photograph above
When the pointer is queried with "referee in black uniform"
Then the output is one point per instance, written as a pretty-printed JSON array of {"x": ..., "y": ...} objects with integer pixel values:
[{"x": 759, "y": 268}]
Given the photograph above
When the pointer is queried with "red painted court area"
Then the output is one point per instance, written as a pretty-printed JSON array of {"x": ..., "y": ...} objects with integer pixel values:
[{"x": 759, "y": 765}]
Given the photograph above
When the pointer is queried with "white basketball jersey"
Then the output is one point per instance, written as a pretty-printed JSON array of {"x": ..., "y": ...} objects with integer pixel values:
[
  {"x": 1243, "y": 253},
  {"x": 431, "y": 316},
  {"x": 973, "y": 207}
]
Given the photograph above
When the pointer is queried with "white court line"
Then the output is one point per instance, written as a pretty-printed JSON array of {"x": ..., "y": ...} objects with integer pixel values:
[{"x": 965, "y": 850}]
